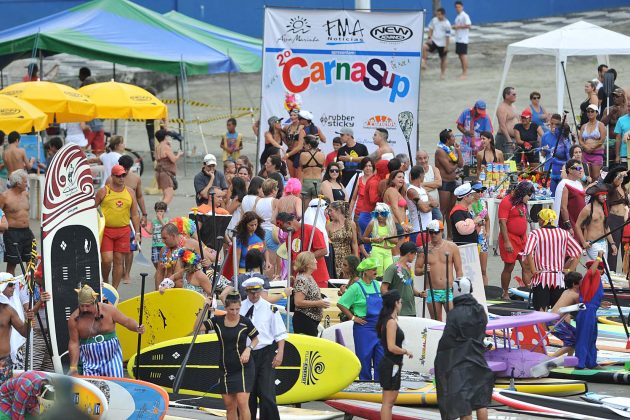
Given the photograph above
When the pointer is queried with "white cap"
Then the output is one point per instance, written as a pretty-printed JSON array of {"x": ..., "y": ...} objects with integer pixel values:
[
  {"x": 209, "y": 159},
  {"x": 463, "y": 190},
  {"x": 254, "y": 283},
  {"x": 462, "y": 286},
  {"x": 306, "y": 115}
]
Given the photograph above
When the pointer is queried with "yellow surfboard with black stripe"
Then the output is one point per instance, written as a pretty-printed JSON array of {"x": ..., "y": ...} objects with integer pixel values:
[{"x": 312, "y": 368}]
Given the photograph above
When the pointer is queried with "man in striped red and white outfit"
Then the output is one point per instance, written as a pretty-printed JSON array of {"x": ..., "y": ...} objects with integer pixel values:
[{"x": 547, "y": 250}]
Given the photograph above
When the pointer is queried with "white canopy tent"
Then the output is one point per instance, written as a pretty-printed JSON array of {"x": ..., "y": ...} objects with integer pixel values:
[{"x": 577, "y": 39}]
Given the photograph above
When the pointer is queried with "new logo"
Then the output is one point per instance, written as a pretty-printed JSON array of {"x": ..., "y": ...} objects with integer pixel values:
[{"x": 391, "y": 33}]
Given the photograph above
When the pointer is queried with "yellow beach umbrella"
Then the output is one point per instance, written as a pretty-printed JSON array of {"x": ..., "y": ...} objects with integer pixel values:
[
  {"x": 62, "y": 103},
  {"x": 21, "y": 116},
  {"x": 121, "y": 101}
]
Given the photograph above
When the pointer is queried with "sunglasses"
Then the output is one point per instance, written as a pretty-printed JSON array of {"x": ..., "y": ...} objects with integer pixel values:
[
  {"x": 577, "y": 168},
  {"x": 590, "y": 111},
  {"x": 10, "y": 284},
  {"x": 120, "y": 176},
  {"x": 380, "y": 213},
  {"x": 435, "y": 232},
  {"x": 333, "y": 171},
  {"x": 535, "y": 97}
]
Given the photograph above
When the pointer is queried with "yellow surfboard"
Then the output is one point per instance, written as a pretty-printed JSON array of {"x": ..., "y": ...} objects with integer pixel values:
[
  {"x": 312, "y": 368},
  {"x": 166, "y": 316}
]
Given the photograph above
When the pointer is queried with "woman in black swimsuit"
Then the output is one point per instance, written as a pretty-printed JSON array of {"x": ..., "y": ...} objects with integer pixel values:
[
  {"x": 311, "y": 163},
  {"x": 590, "y": 88},
  {"x": 488, "y": 154},
  {"x": 617, "y": 201},
  {"x": 332, "y": 188},
  {"x": 391, "y": 337},
  {"x": 294, "y": 132},
  {"x": 234, "y": 332}
]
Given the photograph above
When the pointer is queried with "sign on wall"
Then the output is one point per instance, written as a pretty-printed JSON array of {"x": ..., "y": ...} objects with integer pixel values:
[{"x": 359, "y": 70}]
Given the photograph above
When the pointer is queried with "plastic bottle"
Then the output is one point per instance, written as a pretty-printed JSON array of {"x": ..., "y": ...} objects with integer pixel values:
[{"x": 482, "y": 175}]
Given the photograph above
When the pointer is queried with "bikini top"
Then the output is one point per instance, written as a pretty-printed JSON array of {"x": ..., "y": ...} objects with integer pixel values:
[
  {"x": 483, "y": 158},
  {"x": 312, "y": 158}
]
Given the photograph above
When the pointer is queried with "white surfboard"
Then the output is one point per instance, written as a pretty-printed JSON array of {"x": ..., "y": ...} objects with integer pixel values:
[{"x": 420, "y": 340}]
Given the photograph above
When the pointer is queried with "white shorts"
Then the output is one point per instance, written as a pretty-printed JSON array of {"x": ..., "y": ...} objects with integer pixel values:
[{"x": 600, "y": 245}]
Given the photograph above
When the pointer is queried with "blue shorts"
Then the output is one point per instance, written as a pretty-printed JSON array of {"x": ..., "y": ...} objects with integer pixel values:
[
  {"x": 440, "y": 295},
  {"x": 270, "y": 243},
  {"x": 564, "y": 332},
  {"x": 133, "y": 247},
  {"x": 155, "y": 254}
]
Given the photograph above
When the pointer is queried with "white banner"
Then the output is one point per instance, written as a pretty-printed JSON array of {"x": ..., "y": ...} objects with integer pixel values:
[{"x": 349, "y": 69}]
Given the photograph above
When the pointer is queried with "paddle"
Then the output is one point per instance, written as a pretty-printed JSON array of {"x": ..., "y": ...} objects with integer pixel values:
[
  {"x": 27, "y": 352},
  {"x": 137, "y": 367},
  {"x": 614, "y": 292}
]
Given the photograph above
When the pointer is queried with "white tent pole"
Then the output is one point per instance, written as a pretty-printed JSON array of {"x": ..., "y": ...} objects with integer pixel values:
[
  {"x": 560, "y": 82},
  {"x": 506, "y": 69}
]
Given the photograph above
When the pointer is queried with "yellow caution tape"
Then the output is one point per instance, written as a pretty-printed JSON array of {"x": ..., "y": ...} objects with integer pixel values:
[
  {"x": 205, "y": 105},
  {"x": 201, "y": 121}
]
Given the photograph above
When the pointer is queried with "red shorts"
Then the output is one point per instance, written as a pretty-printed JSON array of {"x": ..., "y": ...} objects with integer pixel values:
[
  {"x": 116, "y": 239},
  {"x": 96, "y": 140}
]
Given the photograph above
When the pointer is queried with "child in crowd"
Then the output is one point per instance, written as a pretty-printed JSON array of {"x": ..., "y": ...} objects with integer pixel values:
[
  {"x": 231, "y": 141},
  {"x": 332, "y": 156},
  {"x": 563, "y": 330},
  {"x": 381, "y": 226},
  {"x": 156, "y": 231}
]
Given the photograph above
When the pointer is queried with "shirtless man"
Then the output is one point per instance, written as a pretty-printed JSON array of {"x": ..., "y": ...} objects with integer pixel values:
[
  {"x": 133, "y": 182},
  {"x": 380, "y": 140},
  {"x": 563, "y": 329},
  {"x": 448, "y": 165},
  {"x": 170, "y": 269},
  {"x": 9, "y": 318},
  {"x": 432, "y": 181},
  {"x": 439, "y": 248},
  {"x": 311, "y": 167},
  {"x": 14, "y": 203},
  {"x": 591, "y": 223},
  {"x": 14, "y": 157},
  {"x": 92, "y": 328},
  {"x": 507, "y": 118}
]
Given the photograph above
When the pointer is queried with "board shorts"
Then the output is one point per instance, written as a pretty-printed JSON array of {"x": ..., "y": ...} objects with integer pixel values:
[
  {"x": 6, "y": 369},
  {"x": 440, "y": 295},
  {"x": 545, "y": 297},
  {"x": 155, "y": 254},
  {"x": 461, "y": 48},
  {"x": 448, "y": 186},
  {"x": 564, "y": 332},
  {"x": 601, "y": 245},
  {"x": 101, "y": 355},
  {"x": 441, "y": 50},
  {"x": 116, "y": 239},
  {"x": 24, "y": 238},
  {"x": 132, "y": 246},
  {"x": 96, "y": 140},
  {"x": 311, "y": 187},
  {"x": 593, "y": 158},
  {"x": 389, "y": 380}
]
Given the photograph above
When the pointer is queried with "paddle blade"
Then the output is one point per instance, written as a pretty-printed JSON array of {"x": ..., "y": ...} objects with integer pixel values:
[{"x": 140, "y": 259}]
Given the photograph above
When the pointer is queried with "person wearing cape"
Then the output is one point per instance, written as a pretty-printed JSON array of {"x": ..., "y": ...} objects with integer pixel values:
[
  {"x": 591, "y": 294},
  {"x": 463, "y": 379}
]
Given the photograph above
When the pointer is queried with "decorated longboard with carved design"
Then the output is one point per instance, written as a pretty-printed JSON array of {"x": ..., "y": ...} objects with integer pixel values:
[
  {"x": 312, "y": 368},
  {"x": 70, "y": 246}
]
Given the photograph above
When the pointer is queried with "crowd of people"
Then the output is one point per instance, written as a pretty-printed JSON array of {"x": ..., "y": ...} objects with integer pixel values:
[{"x": 376, "y": 219}]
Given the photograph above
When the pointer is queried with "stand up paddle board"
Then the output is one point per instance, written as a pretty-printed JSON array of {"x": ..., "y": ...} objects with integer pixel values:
[
  {"x": 110, "y": 294},
  {"x": 166, "y": 316},
  {"x": 619, "y": 403},
  {"x": 312, "y": 368},
  {"x": 131, "y": 399},
  {"x": 420, "y": 339},
  {"x": 70, "y": 243},
  {"x": 552, "y": 405},
  {"x": 286, "y": 413},
  {"x": 85, "y": 396},
  {"x": 372, "y": 411},
  {"x": 606, "y": 374}
]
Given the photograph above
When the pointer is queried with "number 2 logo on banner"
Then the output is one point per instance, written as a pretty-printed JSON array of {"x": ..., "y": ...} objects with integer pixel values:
[{"x": 281, "y": 57}]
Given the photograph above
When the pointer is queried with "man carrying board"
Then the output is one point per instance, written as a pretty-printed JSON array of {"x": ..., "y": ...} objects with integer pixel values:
[{"x": 92, "y": 329}]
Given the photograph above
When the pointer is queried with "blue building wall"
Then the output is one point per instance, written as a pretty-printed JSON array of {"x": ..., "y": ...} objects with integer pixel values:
[{"x": 245, "y": 16}]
